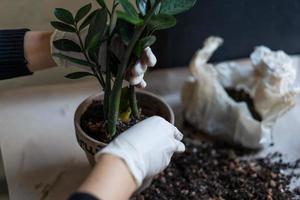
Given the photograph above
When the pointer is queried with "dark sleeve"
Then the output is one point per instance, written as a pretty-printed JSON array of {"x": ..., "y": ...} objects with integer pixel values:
[
  {"x": 82, "y": 196},
  {"x": 12, "y": 60}
]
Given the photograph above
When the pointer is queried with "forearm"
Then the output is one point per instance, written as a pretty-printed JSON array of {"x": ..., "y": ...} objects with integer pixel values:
[
  {"x": 109, "y": 180},
  {"x": 37, "y": 50}
]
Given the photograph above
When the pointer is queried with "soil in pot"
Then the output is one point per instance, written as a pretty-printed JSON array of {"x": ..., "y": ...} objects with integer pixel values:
[
  {"x": 210, "y": 172},
  {"x": 243, "y": 96},
  {"x": 93, "y": 123}
]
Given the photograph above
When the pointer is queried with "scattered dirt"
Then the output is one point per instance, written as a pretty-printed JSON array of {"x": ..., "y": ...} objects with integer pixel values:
[
  {"x": 93, "y": 123},
  {"x": 210, "y": 172},
  {"x": 242, "y": 96}
]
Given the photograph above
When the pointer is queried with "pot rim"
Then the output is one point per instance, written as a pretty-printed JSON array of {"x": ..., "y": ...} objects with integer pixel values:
[{"x": 82, "y": 108}]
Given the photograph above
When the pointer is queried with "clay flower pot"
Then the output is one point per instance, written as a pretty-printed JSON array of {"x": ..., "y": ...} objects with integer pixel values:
[{"x": 148, "y": 102}]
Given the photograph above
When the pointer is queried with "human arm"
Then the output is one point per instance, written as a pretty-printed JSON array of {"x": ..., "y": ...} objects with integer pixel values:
[
  {"x": 23, "y": 52},
  {"x": 37, "y": 50},
  {"x": 110, "y": 179}
]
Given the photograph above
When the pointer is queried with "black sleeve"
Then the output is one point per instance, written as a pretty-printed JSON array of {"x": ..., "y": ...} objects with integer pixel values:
[
  {"x": 12, "y": 60},
  {"x": 82, "y": 196}
]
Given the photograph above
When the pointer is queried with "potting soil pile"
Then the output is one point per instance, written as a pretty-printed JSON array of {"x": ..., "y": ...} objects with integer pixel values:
[{"x": 209, "y": 172}]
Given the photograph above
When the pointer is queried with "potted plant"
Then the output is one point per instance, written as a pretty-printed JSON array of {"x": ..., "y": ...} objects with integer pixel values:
[{"x": 102, "y": 117}]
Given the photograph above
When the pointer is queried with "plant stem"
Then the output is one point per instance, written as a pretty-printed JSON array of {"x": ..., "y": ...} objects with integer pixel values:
[
  {"x": 108, "y": 84},
  {"x": 133, "y": 102},
  {"x": 107, "y": 67},
  {"x": 100, "y": 76},
  {"x": 116, "y": 91}
]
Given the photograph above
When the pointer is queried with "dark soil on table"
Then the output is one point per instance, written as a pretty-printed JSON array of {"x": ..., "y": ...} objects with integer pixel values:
[
  {"x": 242, "y": 96},
  {"x": 93, "y": 123},
  {"x": 209, "y": 172}
]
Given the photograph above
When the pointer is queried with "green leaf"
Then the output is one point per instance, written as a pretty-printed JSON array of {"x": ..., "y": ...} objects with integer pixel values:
[
  {"x": 142, "y": 6},
  {"x": 63, "y": 27},
  {"x": 129, "y": 9},
  {"x": 114, "y": 64},
  {"x": 161, "y": 21},
  {"x": 128, "y": 18},
  {"x": 113, "y": 24},
  {"x": 147, "y": 41},
  {"x": 78, "y": 75},
  {"x": 97, "y": 29},
  {"x": 64, "y": 15},
  {"x": 66, "y": 45},
  {"x": 130, "y": 15},
  {"x": 88, "y": 20},
  {"x": 145, "y": 5},
  {"x": 143, "y": 43},
  {"x": 95, "y": 42},
  {"x": 174, "y": 7},
  {"x": 157, "y": 10},
  {"x": 101, "y": 3},
  {"x": 82, "y": 12},
  {"x": 73, "y": 60},
  {"x": 93, "y": 54},
  {"x": 125, "y": 30}
]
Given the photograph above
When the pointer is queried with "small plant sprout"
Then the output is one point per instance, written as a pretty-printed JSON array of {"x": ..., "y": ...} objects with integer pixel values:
[{"x": 124, "y": 27}]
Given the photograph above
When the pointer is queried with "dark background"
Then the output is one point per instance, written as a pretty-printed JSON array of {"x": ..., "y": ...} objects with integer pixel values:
[{"x": 243, "y": 24}]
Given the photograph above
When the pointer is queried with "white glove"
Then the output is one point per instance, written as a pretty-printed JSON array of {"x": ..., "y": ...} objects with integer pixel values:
[
  {"x": 135, "y": 76},
  {"x": 146, "y": 148}
]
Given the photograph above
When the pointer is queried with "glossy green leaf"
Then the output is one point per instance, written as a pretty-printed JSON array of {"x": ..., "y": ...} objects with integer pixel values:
[
  {"x": 95, "y": 41},
  {"x": 125, "y": 30},
  {"x": 82, "y": 12},
  {"x": 145, "y": 5},
  {"x": 113, "y": 24},
  {"x": 66, "y": 45},
  {"x": 73, "y": 60},
  {"x": 157, "y": 10},
  {"x": 114, "y": 64},
  {"x": 101, "y": 3},
  {"x": 161, "y": 21},
  {"x": 142, "y": 6},
  {"x": 64, "y": 15},
  {"x": 97, "y": 29},
  {"x": 93, "y": 54},
  {"x": 128, "y": 8},
  {"x": 88, "y": 20},
  {"x": 78, "y": 75},
  {"x": 131, "y": 19},
  {"x": 148, "y": 41},
  {"x": 143, "y": 43},
  {"x": 63, "y": 27},
  {"x": 174, "y": 7}
]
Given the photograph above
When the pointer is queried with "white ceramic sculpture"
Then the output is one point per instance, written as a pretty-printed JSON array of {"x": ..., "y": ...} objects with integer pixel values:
[{"x": 269, "y": 80}]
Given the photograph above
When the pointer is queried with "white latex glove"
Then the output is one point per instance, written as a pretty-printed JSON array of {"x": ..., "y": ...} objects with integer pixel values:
[
  {"x": 146, "y": 148},
  {"x": 136, "y": 74}
]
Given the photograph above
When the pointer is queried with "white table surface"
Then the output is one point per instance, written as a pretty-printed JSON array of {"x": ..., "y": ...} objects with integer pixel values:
[{"x": 42, "y": 158}]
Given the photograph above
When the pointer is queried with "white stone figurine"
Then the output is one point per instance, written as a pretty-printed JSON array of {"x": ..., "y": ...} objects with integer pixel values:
[{"x": 269, "y": 80}]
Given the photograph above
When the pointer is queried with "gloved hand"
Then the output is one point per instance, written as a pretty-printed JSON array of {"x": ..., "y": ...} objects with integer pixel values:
[
  {"x": 146, "y": 148},
  {"x": 135, "y": 75}
]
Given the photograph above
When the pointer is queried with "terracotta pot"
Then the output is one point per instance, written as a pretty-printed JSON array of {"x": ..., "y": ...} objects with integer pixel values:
[{"x": 149, "y": 103}]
